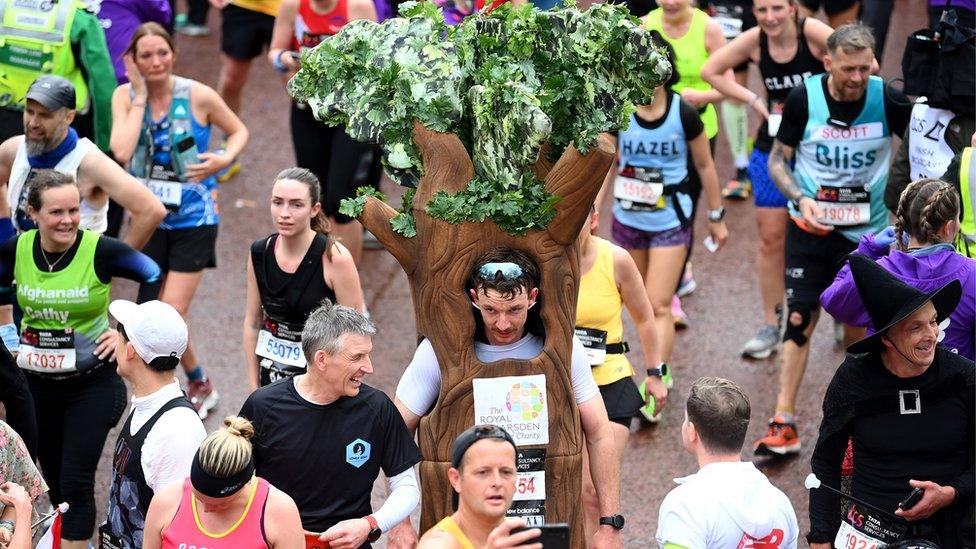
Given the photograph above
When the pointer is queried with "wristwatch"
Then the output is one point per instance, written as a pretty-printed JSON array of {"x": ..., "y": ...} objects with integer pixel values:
[
  {"x": 660, "y": 371},
  {"x": 374, "y": 529},
  {"x": 617, "y": 521},
  {"x": 716, "y": 215}
]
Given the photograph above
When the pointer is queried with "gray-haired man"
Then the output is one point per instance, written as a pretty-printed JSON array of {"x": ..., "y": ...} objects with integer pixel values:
[{"x": 323, "y": 436}]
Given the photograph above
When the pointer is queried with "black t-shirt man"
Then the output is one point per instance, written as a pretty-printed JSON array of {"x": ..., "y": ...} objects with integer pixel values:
[{"x": 326, "y": 457}]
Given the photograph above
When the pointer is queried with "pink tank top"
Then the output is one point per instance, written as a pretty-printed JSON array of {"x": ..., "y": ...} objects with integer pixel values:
[{"x": 247, "y": 533}]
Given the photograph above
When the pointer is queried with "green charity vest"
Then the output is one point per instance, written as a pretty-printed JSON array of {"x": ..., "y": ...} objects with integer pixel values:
[
  {"x": 64, "y": 311},
  {"x": 966, "y": 244}
]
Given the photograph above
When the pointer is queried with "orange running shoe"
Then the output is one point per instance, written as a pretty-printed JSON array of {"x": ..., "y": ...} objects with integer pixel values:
[{"x": 781, "y": 439}]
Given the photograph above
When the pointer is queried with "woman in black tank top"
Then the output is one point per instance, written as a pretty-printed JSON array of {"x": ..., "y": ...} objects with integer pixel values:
[
  {"x": 289, "y": 274},
  {"x": 787, "y": 50}
]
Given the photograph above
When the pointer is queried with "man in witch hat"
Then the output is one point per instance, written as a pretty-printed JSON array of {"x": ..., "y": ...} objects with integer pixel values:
[{"x": 907, "y": 403}]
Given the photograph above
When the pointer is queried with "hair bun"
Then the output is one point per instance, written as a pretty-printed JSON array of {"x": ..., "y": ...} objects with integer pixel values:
[{"x": 239, "y": 427}]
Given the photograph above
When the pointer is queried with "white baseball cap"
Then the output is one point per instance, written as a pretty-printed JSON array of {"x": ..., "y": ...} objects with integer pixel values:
[{"x": 154, "y": 328}]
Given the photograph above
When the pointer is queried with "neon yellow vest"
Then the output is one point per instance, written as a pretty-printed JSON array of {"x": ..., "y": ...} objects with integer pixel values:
[
  {"x": 690, "y": 56},
  {"x": 35, "y": 39},
  {"x": 966, "y": 244}
]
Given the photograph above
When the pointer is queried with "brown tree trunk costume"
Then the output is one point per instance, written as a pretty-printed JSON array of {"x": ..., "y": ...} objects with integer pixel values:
[{"x": 438, "y": 262}]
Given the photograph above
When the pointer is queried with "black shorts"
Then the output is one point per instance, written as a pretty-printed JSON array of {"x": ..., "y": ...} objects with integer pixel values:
[
  {"x": 622, "y": 399},
  {"x": 830, "y": 7},
  {"x": 244, "y": 34},
  {"x": 184, "y": 250},
  {"x": 341, "y": 163},
  {"x": 812, "y": 262}
]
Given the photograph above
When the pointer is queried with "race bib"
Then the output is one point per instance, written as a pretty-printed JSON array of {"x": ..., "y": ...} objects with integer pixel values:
[
  {"x": 775, "y": 118},
  {"x": 850, "y": 538},
  {"x": 47, "y": 350},
  {"x": 844, "y": 206},
  {"x": 280, "y": 350},
  {"x": 595, "y": 342},
  {"x": 168, "y": 192},
  {"x": 639, "y": 188}
]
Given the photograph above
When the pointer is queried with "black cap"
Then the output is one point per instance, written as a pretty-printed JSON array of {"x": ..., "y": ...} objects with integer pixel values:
[
  {"x": 53, "y": 92},
  {"x": 474, "y": 434},
  {"x": 888, "y": 300}
]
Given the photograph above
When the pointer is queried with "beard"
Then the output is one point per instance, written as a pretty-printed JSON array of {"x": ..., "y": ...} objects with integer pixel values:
[{"x": 36, "y": 146}]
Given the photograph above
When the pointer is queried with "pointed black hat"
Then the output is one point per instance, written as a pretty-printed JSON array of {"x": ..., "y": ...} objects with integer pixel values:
[{"x": 888, "y": 300}]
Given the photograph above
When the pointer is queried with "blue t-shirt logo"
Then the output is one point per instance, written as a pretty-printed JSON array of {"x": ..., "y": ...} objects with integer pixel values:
[{"x": 357, "y": 452}]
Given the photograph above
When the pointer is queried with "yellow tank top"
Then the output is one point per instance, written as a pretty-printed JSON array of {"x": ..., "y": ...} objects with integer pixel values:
[
  {"x": 448, "y": 525},
  {"x": 267, "y": 7},
  {"x": 598, "y": 317},
  {"x": 690, "y": 54}
]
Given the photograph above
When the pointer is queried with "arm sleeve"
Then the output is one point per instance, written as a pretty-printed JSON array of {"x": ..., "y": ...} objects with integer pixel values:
[
  {"x": 114, "y": 258},
  {"x": 400, "y": 452},
  {"x": 155, "y": 10},
  {"x": 171, "y": 445},
  {"x": 403, "y": 499},
  {"x": 795, "y": 116},
  {"x": 8, "y": 254},
  {"x": 584, "y": 386},
  {"x": 92, "y": 55},
  {"x": 421, "y": 381},
  {"x": 898, "y": 110},
  {"x": 825, "y": 513},
  {"x": 690, "y": 119},
  {"x": 899, "y": 176}
]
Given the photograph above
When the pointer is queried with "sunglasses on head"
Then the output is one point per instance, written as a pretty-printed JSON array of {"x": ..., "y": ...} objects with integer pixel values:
[{"x": 507, "y": 270}]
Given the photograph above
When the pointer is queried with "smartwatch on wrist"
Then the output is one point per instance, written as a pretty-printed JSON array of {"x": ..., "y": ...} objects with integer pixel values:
[
  {"x": 716, "y": 215},
  {"x": 660, "y": 371},
  {"x": 617, "y": 521},
  {"x": 374, "y": 529}
]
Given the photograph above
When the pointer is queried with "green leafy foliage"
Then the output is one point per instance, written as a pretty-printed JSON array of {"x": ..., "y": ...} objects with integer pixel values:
[
  {"x": 353, "y": 207},
  {"x": 505, "y": 83}
]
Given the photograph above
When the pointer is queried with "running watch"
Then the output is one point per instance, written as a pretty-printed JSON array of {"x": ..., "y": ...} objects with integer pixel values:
[
  {"x": 374, "y": 529},
  {"x": 660, "y": 371},
  {"x": 617, "y": 521},
  {"x": 717, "y": 214}
]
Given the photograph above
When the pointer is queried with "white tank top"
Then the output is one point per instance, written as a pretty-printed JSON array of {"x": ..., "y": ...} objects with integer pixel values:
[{"x": 93, "y": 218}]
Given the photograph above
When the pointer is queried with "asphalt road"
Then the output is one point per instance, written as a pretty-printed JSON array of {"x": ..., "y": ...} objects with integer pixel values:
[{"x": 724, "y": 311}]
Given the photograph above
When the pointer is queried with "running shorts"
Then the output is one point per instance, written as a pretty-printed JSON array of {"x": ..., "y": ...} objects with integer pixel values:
[
  {"x": 812, "y": 262},
  {"x": 764, "y": 190},
  {"x": 622, "y": 399},
  {"x": 630, "y": 238},
  {"x": 244, "y": 34},
  {"x": 830, "y": 7},
  {"x": 184, "y": 250},
  {"x": 341, "y": 163}
]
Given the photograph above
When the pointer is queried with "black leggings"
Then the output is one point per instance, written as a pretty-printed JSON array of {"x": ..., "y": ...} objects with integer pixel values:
[
  {"x": 74, "y": 416},
  {"x": 341, "y": 163}
]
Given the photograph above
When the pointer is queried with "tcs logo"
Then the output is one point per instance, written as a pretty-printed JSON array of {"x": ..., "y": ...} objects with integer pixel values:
[{"x": 773, "y": 541}]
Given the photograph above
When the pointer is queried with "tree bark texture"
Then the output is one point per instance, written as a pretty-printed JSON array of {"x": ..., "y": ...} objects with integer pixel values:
[{"x": 438, "y": 261}]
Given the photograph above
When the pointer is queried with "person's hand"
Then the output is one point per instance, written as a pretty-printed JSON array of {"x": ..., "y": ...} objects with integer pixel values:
[
  {"x": 697, "y": 98},
  {"x": 719, "y": 232},
  {"x": 657, "y": 390},
  {"x": 105, "y": 344},
  {"x": 811, "y": 212},
  {"x": 885, "y": 238},
  {"x": 606, "y": 537},
  {"x": 935, "y": 497},
  {"x": 760, "y": 107},
  {"x": 136, "y": 80},
  {"x": 402, "y": 536},
  {"x": 348, "y": 534},
  {"x": 503, "y": 538},
  {"x": 211, "y": 164},
  {"x": 14, "y": 494}
]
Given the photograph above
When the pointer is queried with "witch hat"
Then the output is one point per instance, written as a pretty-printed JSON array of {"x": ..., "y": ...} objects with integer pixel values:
[{"x": 889, "y": 301}]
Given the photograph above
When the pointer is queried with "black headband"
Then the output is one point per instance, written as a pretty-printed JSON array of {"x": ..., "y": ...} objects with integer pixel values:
[
  {"x": 216, "y": 487},
  {"x": 474, "y": 434}
]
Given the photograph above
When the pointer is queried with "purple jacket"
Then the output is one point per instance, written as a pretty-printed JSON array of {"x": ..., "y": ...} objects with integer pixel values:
[
  {"x": 120, "y": 18},
  {"x": 927, "y": 269}
]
